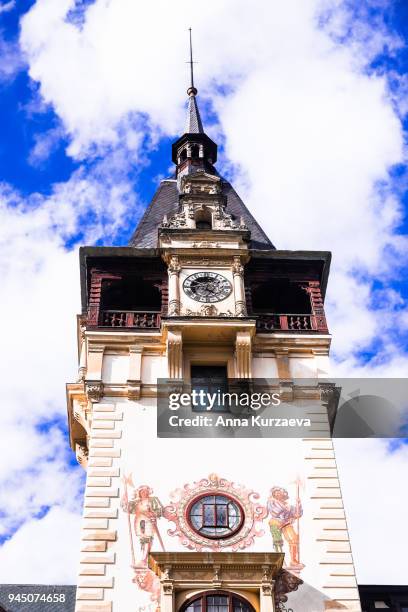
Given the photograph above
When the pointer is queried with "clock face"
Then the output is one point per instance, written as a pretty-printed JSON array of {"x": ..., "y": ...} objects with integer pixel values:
[{"x": 207, "y": 287}]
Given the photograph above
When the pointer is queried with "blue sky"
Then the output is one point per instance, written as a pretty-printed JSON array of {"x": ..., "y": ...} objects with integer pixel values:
[{"x": 309, "y": 106}]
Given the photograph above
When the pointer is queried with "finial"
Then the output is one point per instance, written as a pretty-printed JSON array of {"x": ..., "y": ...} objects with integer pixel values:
[{"x": 191, "y": 91}]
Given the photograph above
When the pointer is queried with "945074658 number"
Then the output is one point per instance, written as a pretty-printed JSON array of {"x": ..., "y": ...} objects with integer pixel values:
[{"x": 35, "y": 597}]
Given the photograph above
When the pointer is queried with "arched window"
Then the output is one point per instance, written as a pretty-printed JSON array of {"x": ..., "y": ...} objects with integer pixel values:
[
  {"x": 203, "y": 219},
  {"x": 217, "y": 601},
  {"x": 183, "y": 155},
  {"x": 195, "y": 151}
]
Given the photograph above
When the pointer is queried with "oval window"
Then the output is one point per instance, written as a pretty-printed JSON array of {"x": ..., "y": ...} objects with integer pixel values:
[{"x": 215, "y": 516}]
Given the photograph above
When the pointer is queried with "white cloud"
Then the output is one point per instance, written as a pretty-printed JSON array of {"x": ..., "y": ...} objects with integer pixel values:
[
  {"x": 40, "y": 296},
  {"x": 43, "y": 551},
  {"x": 311, "y": 135},
  {"x": 372, "y": 482},
  {"x": 6, "y": 7},
  {"x": 10, "y": 58},
  {"x": 313, "y": 131},
  {"x": 44, "y": 144}
]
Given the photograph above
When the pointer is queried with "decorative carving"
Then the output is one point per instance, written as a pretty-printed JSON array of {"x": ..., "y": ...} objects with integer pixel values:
[
  {"x": 207, "y": 310},
  {"x": 205, "y": 244},
  {"x": 205, "y": 262},
  {"x": 285, "y": 583},
  {"x": 267, "y": 589},
  {"x": 240, "y": 309},
  {"x": 224, "y": 219},
  {"x": 82, "y": 452},
  {"x": 243, "y": 354},
  {"x": 201, "y": 184},
  {"x": 174, "y": 265},
  {"x": 176, "y": 221},
  {"x": 94, "y": 390},
  {"x": 133, "y": 389},
  {"x": 176, "y": 512},
  {"x": 238, "y": 274},
  {"x": 166, "y": 573},
  {"x": 216, "y": 577},
  {"x": 174, "y": 290},
  {"x": 239, "y": 575},
  {"x": 190, "y": 211},
  {"x": 202, "y": 192},
  {"x": 237, "y": 267},
  {"x": 174, "y": 308},
  {"x": 175, "y": 354},
  {"x": 81, "y": 414}
]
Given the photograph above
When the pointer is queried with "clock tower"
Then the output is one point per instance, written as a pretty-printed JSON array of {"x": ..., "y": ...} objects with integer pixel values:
[{"x": 201, "y": 297}]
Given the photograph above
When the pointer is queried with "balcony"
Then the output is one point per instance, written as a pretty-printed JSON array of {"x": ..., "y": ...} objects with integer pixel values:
[
  {"x": 270, "y": 322},
  {"x": 135, "y": 319}
]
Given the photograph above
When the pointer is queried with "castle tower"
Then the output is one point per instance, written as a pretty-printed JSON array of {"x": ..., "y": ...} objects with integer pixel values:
[{"x": 201, "y": 297}]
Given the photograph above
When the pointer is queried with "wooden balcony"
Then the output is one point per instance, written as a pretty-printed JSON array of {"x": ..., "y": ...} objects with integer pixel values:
[
  {"x": 135, "y": 319},
  {"x": 270, "y": 322}
]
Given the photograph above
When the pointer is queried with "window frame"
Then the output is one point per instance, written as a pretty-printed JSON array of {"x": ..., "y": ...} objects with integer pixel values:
[
  {"x": 210, "y": 386},
  {"x": 215, "y": 494},
  {"x": 203, "y": 597}
]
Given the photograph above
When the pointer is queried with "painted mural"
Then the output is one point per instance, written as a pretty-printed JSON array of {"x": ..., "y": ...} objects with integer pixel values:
[
  {"x": 212, "y": 514},
  {"x": 284, "y": 523},
  {"x": 246, "y": 500},
  {"x": 143, "y": 510}
]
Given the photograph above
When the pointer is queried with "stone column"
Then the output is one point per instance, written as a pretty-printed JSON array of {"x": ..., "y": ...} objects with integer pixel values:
[
  {"x": 174, "y": 288},
  {"x": 82, "y": 353},
  {"x": 265, "y": 598},
  {"x": 239, "y": 289},
  {"x": 93, "y": 382},
  {"x": 283, "y": 364},
  {"x": 135, "y": 372},
  {"x": 167, "y": 591}
]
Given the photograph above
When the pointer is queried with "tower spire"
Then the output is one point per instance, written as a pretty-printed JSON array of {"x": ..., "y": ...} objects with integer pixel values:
[
  {"x": 192, "y": 88},
  {"x": 194, "y": 124}
]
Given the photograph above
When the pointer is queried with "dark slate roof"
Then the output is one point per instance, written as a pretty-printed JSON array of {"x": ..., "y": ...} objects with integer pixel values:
[
  {"x": 194, "y": 124},
  {"x": 26, "y": 590},
  {"x": 165, "y": 202}
]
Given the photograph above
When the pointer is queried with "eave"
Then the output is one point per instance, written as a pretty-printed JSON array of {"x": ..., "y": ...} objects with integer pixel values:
[{"x": 322, "y": 258}]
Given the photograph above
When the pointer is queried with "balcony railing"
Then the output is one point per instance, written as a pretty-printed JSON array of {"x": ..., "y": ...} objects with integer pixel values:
[
  {"x": 286, "y": 322},
  {"x": 146, "y": 319}
]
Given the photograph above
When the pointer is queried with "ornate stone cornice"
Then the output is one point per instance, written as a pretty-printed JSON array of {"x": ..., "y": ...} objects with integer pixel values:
[{"x": 218, "y": 563}]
